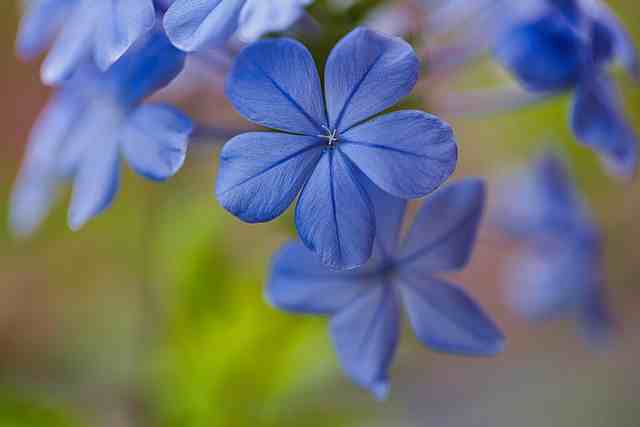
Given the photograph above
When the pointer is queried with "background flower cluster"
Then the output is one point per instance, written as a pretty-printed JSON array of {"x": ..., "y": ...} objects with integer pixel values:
[{"x": 374, "y": 106}]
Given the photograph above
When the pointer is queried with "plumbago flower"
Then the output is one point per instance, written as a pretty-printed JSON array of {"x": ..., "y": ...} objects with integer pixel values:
[
  {"x": 569, "y": 48},
  {"x": 325, "y": 153},
  {"x": 364, "y": 304},
  {"x": 102, "y": 30},
  {"x": 197, "y": 25},
  {"x": 560, "y": 272},
  {"x": 91, "y": 122}
]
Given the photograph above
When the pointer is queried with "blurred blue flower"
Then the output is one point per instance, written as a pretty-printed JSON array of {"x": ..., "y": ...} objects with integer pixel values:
[
  {"x": 274, "y": 83},
  {"x": 101, "y": 30},
  {"x": 90, "y": 122},
  {"x": 560, "y": 271},
  {"x": 364, "y": 304},
  {"x": 204, "y": 24},
  {"x": 568, "y": 48}
]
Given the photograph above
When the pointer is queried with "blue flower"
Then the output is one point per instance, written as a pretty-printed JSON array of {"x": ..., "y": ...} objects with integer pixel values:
[
  {"x": 568, "y": 48},
  {"x": 560, "y": 272},
  {"x": 99, "y": 30},
  {"x": 364, "y": 304},
  {"x": 204, "y": 24},
  {"x": 93, "y": 120},
  {"x": 324, "y": 153}
]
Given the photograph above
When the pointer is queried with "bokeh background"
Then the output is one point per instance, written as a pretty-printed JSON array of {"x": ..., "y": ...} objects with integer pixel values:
[{"x": 153, "y": 315}]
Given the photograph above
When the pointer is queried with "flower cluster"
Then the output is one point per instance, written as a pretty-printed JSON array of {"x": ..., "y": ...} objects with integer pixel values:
[
  {"x": 560, "y": 271},
  {"x": 342, "y": 148}
]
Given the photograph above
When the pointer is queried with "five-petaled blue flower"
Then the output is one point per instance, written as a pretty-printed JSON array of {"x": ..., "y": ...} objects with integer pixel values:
[
  {"x": 560, "y": 271},
  {"x": 94, "y": 119},
  {"x": 197, "y": 25},
  {"x": 364, "y": 304},
  {"x": 568, "y": 48},
  {"x": 86, "y": 29},
  {"x": 328, "y": 150}
]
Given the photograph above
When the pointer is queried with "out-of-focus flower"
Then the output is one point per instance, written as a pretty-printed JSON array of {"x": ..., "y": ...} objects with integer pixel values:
[
  {"x": 364, "y": 304},
  {"x": 90, "y": 122},
  {"x": 84, "y": 30},
  {"x": 193, "y": 26},
  {"x": 560, "y": 271},
  {"x": 326, "y": 152}
]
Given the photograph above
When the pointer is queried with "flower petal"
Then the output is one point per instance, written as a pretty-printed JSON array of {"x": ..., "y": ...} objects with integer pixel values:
[
  {"x": 261, "y": 173},
  {"x": 124, "y": 22},
  {"x": 390, "y": 212},
  {"x": 365, "y": 335},
  {"x": 406, "y": 153},
  {"x": 204, "y": 24},
  {"x": 96, "y": 181},
  {"x": 39, "y": 25},
  {"x": 300, "y": 283},
  {"x": 446, "y": 319},
  {"x": 275, "y": 83},
  {"x": 444, "y": 231},
  {"x": 334, "y": 216},
  {"x": 36, "y": 187},
  {"x": 155, "y": 139},
  {"x": 366, "y": 73},
  {"x": 260, "y": 17},
  {"x": 545, "y": 54},
  {"x": 598, "y": 121},
  {"x": 73, "y": 46}
]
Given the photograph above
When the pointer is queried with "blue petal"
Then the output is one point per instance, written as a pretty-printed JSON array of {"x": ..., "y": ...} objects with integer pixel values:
[
  {"x": 389, "y": 213},
  {"x": 621, "y": 43},
  {"x": 300, "y": 283},
  {"x": 552, "y": 278},
  {"x": 95, "y": 183},
  {"x": 444, "y": 232},
  {"x": 204, "y": 24},
  {"x": 540, "y": 200},
  {"x": 260, "y": 17},
  {"x": 154, "y": 142},
  {"x": 446, "y": 319},
  {"x": 366, "y": 73},
  {"x": 545, "y": 54},
  {"x": 123, "y": 23},
  {"x": 406, "y": 153},
  {"x": 36, "y": 187},
  {"x": 598, "y": 121},
  {"x": 73, "y": 46},
  {"x": 365, "y": 336},
  {"x": 39, "y": 25},
  {"x": 261, "y": 173},
  {"x": 147, "y": 67},
  {"x": 274, "y": 83},
  {"x": 334, "y": 216}
]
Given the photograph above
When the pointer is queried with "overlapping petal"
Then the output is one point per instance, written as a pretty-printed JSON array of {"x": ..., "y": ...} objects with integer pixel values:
[
  {"x": 261, "y": 173},
  {"x": 366, "y": 73},
  {"x": 365, "y": 335},
  {"x": 275, "y": 83},
  {"x": 73, "y": 46},
  {"x": 444, "y": 231},
  {"x": 123, "y": 23},
  {"x": 334, "y": 216},
  {"x": 446, "y": 319},
  {"x": 199, "y": 25},
  {"x": 96, "y": 181},
  {"x": 300, "y": 283},
  {"x": 406, "y": 153},
  {"x": 38, "y": 26},
  {"x": 154, "y": 140},
  {"x": 598, "y": 121},
  {"x": 544, "y": 54}
]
